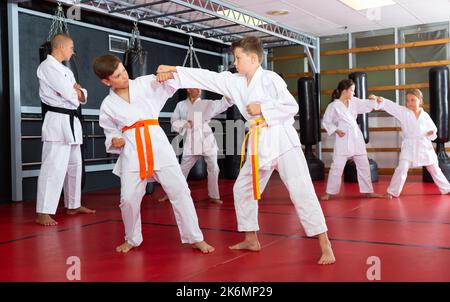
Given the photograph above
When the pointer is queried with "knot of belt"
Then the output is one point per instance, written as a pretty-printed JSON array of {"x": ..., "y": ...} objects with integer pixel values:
[
  {"x": 145, "y": 167},
  {"x": 72, "y": 113},
  {"x": 255, "y": 126}
]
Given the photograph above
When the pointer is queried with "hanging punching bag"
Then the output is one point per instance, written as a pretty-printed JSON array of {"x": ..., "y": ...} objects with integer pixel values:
[
  {"x": 135, "y": 62},
  {"x": 309, "y": 125},
  {"x": 350, "y": 172},
  {"x": 233, "y": 157},
  {"x": 438, "y": 78}
]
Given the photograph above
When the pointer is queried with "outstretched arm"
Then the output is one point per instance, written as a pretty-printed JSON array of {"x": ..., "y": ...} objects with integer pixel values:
[
  {"x": 392, "y": 108},
  {"x": 199, "y": 78}
]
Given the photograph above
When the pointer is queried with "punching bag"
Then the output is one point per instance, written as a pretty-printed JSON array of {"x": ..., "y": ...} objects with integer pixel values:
[
  {"x": 233, "y": 161},
  {"x": 350, "y": 172},
  {"x": 438, "y": 78},
  {"x": 310, "y": 125},
  {"x": 135, "y": 62}
]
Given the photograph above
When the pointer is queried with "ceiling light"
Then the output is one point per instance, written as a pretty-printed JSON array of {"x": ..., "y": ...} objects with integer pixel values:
[{"x": 278, "y": 12}]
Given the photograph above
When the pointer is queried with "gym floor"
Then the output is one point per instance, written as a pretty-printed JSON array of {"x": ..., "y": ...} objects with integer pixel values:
[{"x": 409, "y": 235}]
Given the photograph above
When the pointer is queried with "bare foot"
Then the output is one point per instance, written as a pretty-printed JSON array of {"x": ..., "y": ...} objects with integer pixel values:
[
  {"x": 80, "y": 210},
  {"x": 45, "y": 219},
  {"x": 374, "y": 195},
  {"x": 325, "y": 197},
  {"x": 215, "y": 200},
  {"x": 124, "y": 247},
  {"x": 164, "y": 198},
  {"x": 204, "y": 247},
  {"x": 387, "y": 196},
  {"x": 327, "y": 252},
  {"x": 253, "y": 246}
]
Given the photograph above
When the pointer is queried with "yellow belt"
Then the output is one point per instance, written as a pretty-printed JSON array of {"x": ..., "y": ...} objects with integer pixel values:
[{"x": 255, "y": 126}]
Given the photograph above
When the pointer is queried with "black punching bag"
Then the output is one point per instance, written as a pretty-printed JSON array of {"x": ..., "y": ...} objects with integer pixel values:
[
  {"x": 44, "y": 50},
  {"x": 310, "y": 125},
  {"x": 233, "y": 161},
  {"x": 135, "y": 62},
  {"x": 350, "y": 173},
  {"x": 439, "y": 102},
  {"x": 233, "y": 157}
]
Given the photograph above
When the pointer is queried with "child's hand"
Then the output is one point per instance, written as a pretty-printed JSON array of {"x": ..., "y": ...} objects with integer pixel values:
[
  {"x": 117, "y": 142},
  {"x": 431, "y": 132},
  {"x": 340, "y": 133},
  {"x": 166, "y": 68},
  {"x": 162, "y": 77},
  {"x": 254, "y": 109}
]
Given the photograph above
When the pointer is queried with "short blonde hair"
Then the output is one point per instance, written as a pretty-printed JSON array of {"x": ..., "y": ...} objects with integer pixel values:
[{"x": 417, "y": 93}]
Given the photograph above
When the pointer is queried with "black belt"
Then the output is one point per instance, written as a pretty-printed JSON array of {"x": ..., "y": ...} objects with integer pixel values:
[{"x": 72, "y": 113}]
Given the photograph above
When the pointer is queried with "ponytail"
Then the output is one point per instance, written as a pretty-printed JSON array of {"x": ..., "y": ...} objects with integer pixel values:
[{"x": 343, "y": 85}]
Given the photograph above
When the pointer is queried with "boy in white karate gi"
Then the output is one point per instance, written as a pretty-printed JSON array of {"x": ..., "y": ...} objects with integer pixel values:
[
  {"x": 264, "y": 100},
  {"x": 61, "y": 134},
  {"x": 339, "y": 119},
  {"x": 417, "y": 150},
  {"x": 191, "y": 118},
  {"x": 129, "y": 118}
]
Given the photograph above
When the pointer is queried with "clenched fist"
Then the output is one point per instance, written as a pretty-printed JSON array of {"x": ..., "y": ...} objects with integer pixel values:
[
  {"x": 254, "y": 109},
  {"x": 117, "y": 142},
  {"x": 166, "y": 68}
]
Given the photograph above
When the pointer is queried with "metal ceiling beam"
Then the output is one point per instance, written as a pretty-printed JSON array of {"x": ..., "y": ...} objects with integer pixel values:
[
  {"x": 232, "y": 33},
  {"x": 211, "y": 28},
  {"x": 217, "y": 9},
  {"x": 233, "y": 14},
  {"x": 122, "y": 9},
  {"x": 192, "y": 21},
  {"x": 168, "y": 14}
]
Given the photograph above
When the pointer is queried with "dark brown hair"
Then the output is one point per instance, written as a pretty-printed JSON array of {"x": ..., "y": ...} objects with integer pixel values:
[
  {"x": 105, "y": 65},
  {"x": 249, "y": 44},
  {"x": 343, "y": 85}
]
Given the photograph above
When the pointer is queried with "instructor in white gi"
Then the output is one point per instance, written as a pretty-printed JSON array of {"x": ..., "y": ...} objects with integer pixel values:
[{"x": 61, "y": 134}]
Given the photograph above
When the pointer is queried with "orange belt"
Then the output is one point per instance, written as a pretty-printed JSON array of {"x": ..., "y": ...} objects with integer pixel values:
[
  {"x": 255, "y": 125},
  {"x": 145, "y": 171}
]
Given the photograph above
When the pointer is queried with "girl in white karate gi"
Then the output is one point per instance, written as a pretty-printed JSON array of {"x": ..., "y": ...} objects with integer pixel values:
[
  {"x": 264, "y": 100},
  {"x": 129, "y": 118},
  {"x": 191, "y": 118},
  {"x": 340, "y": 120},
  {"x": 417, "y": 150}
]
